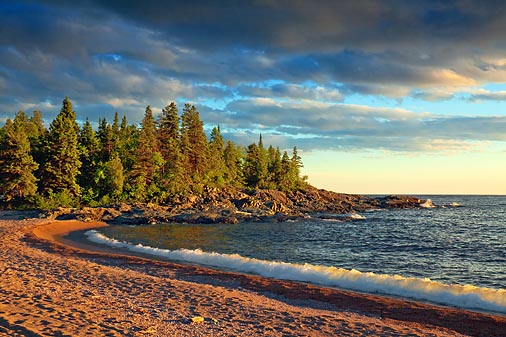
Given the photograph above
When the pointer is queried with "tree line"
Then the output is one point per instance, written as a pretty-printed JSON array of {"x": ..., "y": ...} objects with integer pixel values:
[{"x": 69, "y": 165}]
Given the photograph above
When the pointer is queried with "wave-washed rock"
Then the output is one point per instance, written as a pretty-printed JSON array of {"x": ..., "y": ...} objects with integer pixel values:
[{"x": 232, "y": 205}]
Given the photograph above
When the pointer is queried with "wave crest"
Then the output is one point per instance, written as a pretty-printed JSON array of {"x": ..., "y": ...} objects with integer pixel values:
[{"x": 463, "y": 296}]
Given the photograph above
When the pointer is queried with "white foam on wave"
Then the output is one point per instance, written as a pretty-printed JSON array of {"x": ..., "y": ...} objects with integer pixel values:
[
  {"x": 331, "y": 220},
  {"x": 467, "y": 296},
  {"x": 356, "y": 216},
  {"x": 428, "y": 204}
]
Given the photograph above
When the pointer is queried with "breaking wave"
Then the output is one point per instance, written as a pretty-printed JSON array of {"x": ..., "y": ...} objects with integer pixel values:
[
  {"x": 463, "y": 296},
  {"x": 428, "y": 204},
  {"x": 331, "y": 220},
  {"x": 356, "y": 216}
]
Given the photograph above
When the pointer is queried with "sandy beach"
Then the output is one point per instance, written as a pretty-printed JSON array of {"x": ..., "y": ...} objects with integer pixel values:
[{"x": 51, "y": 286}]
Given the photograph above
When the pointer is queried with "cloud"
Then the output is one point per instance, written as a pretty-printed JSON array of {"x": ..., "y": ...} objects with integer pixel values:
[
  {"x": 434, "y": 95},
  {"x": 292, "y": 91},
  {"x": 284, "y": 67},
  {"x": 318, "y": 125},
  {"x": 485, "y": 95},
  {"x": 363, "y": 44},
  {"x": 322, "y": 25},
  {"x": 118, "y": 102},
  {"x": 451, "y": 146},
  {"x": 447, "y": 77}
]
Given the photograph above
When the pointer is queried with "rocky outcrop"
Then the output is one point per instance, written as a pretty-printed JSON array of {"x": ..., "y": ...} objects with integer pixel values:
[
  {"x": 400, "y": 201},
  {"x": 231, "y": 205},
  {"x": 87, "y": 213}
]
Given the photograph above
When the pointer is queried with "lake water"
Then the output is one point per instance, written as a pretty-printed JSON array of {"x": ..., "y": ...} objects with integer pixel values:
[{"x": 453, "y": 255}]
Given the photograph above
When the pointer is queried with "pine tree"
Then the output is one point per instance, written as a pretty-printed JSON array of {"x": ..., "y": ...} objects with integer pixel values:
[
  {"x": 233, "y": 159},
  {"x": 114, "y": 178},
  {"x": 262, "y": 165},
  {"x": 116, "y": 134},
  {"x": 217, "y": 160},
  {"x": 21, "y": 119},
  {"x": 90, "y": 159},
  {"x": 290, "y": 178},
  {"x": 173, "y": 179},
  {"x": 37, "y": 133},
  {"x": 160, "y": 159},
  {"x": 107, "y": 139},
  {"x": 193, "y": 144},
  {"x": 148, "y": 144},
  {"x": 168, "y": 129},
  {"x": 148, "y": 160},
  {"x": 250, "y": 170},
  {"x": 286, "y": 178},
  {"x": 37, "y": 125},
  {"x": 127, "y": 144},
  {"x": 256, "y": 172},
  {"x": 296, "y": 165},
  {"x": 62, "y": 154},
  {"x": 124, "y": 124},
  {"x": 17, "y": 167},
  {"x": 3, "y": 132},
  {"x": 274, "y": 167},
  {"x": 115, "y": 124}
]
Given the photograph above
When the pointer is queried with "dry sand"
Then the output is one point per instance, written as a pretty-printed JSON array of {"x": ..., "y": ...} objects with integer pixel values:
[{"x": 50, "y": 286}]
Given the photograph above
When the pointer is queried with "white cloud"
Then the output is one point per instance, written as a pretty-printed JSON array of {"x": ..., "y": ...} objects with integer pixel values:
[
  {"x": 120, "y": 102},
  {"x": 452, "y": 146}
]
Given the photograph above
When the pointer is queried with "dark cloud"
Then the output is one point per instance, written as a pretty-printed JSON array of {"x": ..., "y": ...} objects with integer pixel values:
[
  {"x": 362, "y": 43},
  {"x": 321, "y": 25},
  {"x": 275, "y": 65}
]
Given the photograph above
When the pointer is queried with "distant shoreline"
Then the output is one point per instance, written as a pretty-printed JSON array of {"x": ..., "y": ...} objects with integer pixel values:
[{"x": 234, "y": 205}]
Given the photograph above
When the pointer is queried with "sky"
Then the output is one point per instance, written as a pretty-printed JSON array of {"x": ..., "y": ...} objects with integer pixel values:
[{"x": 379, "y": 97}]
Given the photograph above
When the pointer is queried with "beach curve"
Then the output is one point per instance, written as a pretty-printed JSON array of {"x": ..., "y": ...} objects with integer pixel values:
[{"x": 53, "y": 285}]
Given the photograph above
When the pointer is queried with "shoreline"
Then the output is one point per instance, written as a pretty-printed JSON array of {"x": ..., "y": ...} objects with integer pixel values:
[
  {"x": 328, "y": 277},
  {"x": 352, "y": 313}
]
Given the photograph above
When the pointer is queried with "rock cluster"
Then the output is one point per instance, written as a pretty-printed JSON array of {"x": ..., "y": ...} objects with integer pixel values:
[{"x": 231, "y": 205}]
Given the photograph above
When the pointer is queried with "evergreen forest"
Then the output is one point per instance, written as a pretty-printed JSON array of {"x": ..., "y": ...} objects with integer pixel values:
[{"x": 167, "y": 156}]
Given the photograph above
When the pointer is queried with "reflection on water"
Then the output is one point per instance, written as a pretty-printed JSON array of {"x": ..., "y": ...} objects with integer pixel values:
[{"x": 172, "y": 236}]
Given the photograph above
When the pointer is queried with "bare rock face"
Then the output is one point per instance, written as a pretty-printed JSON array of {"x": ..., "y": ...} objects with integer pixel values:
[
  {"x": 319, "y": 200},
  {"x": 272, "y": 196},
  {"x": 86, "y": 213}
]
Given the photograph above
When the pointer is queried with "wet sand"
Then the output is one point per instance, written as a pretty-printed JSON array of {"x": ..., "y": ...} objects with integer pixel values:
[{"x": 52, "y": 286}]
